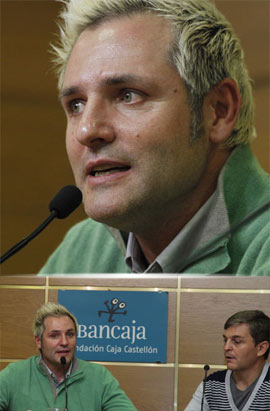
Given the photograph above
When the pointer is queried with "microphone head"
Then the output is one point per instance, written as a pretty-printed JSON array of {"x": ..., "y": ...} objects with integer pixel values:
[
  {"x": 63, "y": 360},
  {"x": 206, "y": 367},
  {"x": 66, "y": 201}
]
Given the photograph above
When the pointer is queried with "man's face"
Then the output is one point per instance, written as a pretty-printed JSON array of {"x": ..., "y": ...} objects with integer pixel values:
[
  {"x": 58, "y": 340},
  {"x": 239, "y": 348},
  {"x": 128, "y": 124}
]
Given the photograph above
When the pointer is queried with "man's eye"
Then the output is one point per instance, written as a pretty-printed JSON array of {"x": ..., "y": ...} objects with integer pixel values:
[
  {"x": 127, "y": 97},
  {"x": 76, "y": 106},
  {"x": 130, "y": 96}
]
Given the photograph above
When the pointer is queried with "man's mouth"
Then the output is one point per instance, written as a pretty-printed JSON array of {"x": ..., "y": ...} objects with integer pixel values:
[{"x": 106, "y": 170}]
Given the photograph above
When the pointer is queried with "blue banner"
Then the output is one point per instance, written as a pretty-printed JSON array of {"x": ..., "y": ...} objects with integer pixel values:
[{"x": 127, "y": 326}]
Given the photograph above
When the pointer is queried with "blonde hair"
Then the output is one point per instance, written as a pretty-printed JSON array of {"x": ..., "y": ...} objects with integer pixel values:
[
  {"x": 205, "y": 49},
  {"x": 50, "y": 310}
]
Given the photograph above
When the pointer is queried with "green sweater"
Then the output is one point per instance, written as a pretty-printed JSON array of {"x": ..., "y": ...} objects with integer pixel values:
[
  {"x": 91, "y": 387},
  {"x": 91, "y": 247}
]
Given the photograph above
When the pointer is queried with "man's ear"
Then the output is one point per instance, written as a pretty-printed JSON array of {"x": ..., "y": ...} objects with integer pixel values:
[
  {"x": 262, "y": 347},
  {"x": 38, "y": 342},
  {"x": 222, "y": 105}
]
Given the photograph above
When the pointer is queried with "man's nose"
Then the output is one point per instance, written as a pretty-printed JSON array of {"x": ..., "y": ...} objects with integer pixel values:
[
  {"x": 95, "y": 128},
  {"x": 227, "y": 345},
  {"x": 63, "y": 340}
]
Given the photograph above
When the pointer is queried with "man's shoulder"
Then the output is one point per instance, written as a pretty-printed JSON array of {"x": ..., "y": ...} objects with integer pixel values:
[
  {"x": 256, "y": 241},
  {"x": 246, "y": 192},
  {"x": 267, "y": 377},
  {"x": 93, "y": 370},
  {"x": 218, "y": 376},
  {"x": 246, "y": 185},
  {"x": 84, "y": 227},
  {"x": 88, "y": 366},
  {"x": 79, "y": 252},
  {"x": 15, "y": 368}
]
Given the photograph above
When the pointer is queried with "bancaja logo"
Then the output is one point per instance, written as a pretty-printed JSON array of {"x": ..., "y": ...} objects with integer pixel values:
[{"x": 130, "y": 332}]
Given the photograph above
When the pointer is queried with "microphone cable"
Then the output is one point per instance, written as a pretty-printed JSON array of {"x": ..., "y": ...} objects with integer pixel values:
[
  {"x": 63, "y": 362},
  {"x": 64, "y": 203},
  {"x": 206, "y": 369}
]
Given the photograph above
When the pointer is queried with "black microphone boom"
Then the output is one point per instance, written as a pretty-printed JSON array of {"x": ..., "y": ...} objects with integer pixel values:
[
  {"x": 206, "y": 369},
  {"x": 65, "y": 201},
  {"x": 63, "y": 362}
]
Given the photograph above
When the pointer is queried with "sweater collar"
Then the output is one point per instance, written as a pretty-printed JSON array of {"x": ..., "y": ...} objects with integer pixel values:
[{"x": 240, "y": 166}]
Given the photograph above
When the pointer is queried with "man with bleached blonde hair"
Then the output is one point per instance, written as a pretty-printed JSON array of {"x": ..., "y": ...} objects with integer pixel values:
[
  {"x": 50, "y": 310},
  {"x": 57, "y": 378},
  {"x": 159, "y": 119}
]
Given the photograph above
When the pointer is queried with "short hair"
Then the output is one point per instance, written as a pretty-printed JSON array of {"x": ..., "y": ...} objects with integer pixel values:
[
  {"x": 258, "y": 323},
  {"x": 50, "y": 310},
  {"x": 205, "y": 50}
]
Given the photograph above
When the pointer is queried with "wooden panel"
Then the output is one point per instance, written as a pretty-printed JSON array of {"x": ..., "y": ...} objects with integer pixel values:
[
  {"x": 202, "y": 316},
  {"x": 171, "y": 334},
  {"x": 229, "y": 282},
  {"x": 93, "y": 280},
  {"x": 254, "y": 36},
  {"x": 150, "y": 388},
  {"x": 22, "y": 280},
  {"x": 53, "y": 296},
  {"x": 34, "y": 164},
  {"x": 18, "y": 307}
]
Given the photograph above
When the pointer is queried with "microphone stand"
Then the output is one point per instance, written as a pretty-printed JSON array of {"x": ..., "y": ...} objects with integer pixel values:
[
  {"x": 17, "y": 247},
  {"x": 65, "y": 201},
  {"x": 206, "y": 368},
  {"x": 63, "y": 362}
]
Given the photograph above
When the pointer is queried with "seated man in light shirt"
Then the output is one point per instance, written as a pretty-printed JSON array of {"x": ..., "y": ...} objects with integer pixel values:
[{"x": 245, "y": 385}]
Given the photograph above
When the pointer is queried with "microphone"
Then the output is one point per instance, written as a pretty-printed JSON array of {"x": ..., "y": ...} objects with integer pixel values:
[
  {"x": 206, "y": 369},
  {"x": 65, "y": 201},
  {"x": 63, "y": 362}
]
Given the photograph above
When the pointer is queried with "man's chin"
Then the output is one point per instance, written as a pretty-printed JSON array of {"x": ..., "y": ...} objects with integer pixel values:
[
  {"x": 123, "y": 214},
  {"x": 111, "y": 216},
  {"x": 230, "y": 366}
]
